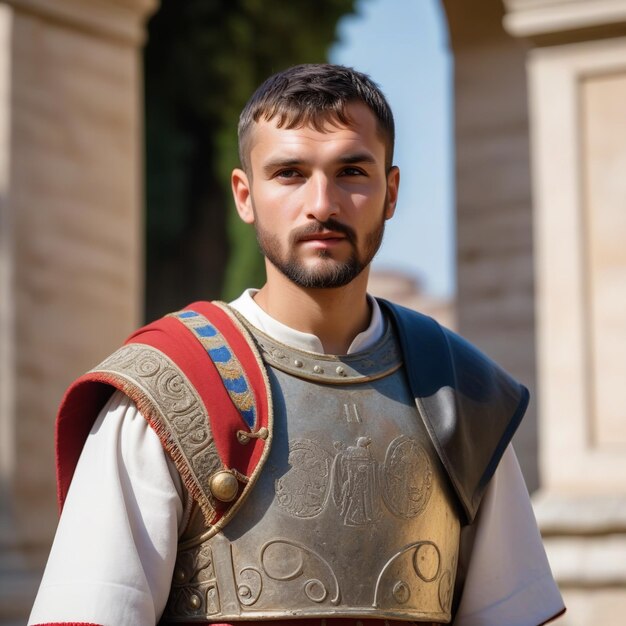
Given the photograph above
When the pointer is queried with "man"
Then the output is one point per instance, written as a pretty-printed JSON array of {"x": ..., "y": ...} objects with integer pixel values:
[{"x": 308, "y": 453}]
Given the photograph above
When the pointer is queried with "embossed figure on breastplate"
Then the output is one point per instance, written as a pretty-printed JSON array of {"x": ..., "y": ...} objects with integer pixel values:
[
  {"x": 356, "y": 485},
  {"x": 352, "y": 515}
]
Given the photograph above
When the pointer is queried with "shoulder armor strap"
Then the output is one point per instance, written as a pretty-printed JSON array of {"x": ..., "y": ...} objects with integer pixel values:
[
  {"x": 201, "y": 385},
  {"x": 471, "y": 406}
]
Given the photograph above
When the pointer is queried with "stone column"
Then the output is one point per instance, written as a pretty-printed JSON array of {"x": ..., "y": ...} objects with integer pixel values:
[
  {"x": 495, "y": 306},
  {"x": 577, "y": 88},
  {"x": 70, "y": 240}
]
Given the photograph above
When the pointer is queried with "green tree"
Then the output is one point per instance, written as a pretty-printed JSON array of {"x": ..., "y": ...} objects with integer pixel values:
[{"x": 203, "y": 60}]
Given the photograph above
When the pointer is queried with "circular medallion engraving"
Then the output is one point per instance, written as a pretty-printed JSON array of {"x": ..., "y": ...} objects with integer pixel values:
[
  {"x": 303, "y": 489},
  {"x": 407, "y": 477},
  {"x": 426, "y": 561}
]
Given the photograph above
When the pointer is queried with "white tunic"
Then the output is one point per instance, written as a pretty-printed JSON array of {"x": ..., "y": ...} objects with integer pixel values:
[{"x": 113, "y": 555}]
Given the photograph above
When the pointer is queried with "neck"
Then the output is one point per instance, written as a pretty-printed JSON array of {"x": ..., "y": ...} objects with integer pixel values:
[{"x": 335, "y": 316}]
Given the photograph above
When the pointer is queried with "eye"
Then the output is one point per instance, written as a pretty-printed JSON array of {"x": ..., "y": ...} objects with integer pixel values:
[
  {"x": 352, "y": 171},
  {"x": 287, "y": 174}
]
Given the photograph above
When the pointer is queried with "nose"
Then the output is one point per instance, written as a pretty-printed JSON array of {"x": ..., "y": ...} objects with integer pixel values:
[{"x": 323, "y": 201}]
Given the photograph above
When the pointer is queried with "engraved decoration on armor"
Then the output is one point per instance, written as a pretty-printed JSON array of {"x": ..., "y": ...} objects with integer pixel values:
[
  {"x": 181, "y": 408},
  {"x": 426, "y": 561},
  {"x": 401, "y": 592},
  {"x": 303, "y": 490},
  {"x": 250, "y": 587},
  {"x": 445, "y": 590},
  {"x": 407, "y": 477},
  {"x": 284, "y": 560},
  {"x": 352, "y": 416},
  {"x": 359, "y": 484},
  {"x": 194, "y": 585},
  {"x": 355, "y": 484}
]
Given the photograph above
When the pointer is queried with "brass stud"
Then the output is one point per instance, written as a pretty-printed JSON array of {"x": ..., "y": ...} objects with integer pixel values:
[
  {"x": 195, "y": 602},
  {"x": 224, "y": 486},
  {"x": 298, "y": 363},
  {"x": 243, "y": 437},
  {"x": 340, "y": 370},
  {"x": 318, "y": 370},
  {"x": 179, "y": 575}
]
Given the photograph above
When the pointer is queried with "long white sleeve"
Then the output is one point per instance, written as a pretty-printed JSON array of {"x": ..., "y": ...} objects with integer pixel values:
[
  {"x": 507, "y": 575},
  {"x": 115, "y": 547}
]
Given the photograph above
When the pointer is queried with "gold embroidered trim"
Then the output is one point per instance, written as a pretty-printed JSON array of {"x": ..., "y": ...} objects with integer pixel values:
[
  {"x": 167, "y": 399},
  {"x": 225, "y": 360}
]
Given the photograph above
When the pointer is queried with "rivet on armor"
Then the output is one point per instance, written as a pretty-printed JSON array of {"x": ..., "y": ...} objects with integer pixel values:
[
  {"x": 277, "y": 354},
  {"x": 195, "y": 602},
  {"x": 401, "y": 592},
  {"x": 340, "y": 370},
  {"x": 318, "y": 370},
  {"x": 179, "y": 575},
  {"x": 298, "y": 363},
  {"x": 224, "y": 486}
]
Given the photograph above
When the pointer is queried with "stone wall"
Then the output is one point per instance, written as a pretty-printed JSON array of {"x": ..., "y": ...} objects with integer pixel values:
[
  {"x": 70, "y": 243},
  {"x": 577, "y": 87}
]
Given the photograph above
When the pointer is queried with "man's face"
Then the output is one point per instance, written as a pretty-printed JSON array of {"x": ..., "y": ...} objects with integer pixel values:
[{"x": 318, "y": 200}]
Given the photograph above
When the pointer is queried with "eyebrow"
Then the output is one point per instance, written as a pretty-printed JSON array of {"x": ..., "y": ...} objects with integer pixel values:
[
  {"x": 359, "y": 157},
  {"x": 274, "y": 164},
  {"x": 347, "y": 159}
]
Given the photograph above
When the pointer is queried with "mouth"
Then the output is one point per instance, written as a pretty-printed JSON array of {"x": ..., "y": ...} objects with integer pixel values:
[{"x": 324, "y": 237}]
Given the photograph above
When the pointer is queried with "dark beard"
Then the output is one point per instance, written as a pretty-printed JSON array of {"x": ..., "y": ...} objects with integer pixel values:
[{"x": 333, "y": 273}]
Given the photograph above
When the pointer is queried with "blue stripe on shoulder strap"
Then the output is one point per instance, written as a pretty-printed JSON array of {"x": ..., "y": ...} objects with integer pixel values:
[{"x": 230, "y": 369}]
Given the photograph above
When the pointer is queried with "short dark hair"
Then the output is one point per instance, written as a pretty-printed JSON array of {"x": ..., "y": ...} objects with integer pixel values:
[{"x": 310, "y": 94}]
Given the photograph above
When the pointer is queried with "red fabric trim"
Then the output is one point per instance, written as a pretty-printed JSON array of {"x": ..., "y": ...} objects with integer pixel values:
[
  {"x": 88, "y": 394},
  {"x": 77, "y": 413},
  {"x": 67, "y": 624},
  {"x": 327, "y": 621}
]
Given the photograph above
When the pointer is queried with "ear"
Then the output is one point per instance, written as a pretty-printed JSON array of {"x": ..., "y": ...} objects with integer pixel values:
[
  {"x": 241, "y": 193},
  {"x": 393, "y": 184}
]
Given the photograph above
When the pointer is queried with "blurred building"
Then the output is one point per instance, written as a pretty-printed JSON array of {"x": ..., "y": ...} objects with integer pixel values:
[
  {"x": 407, "y": 290},
  {"x": 540, "y": 131}
]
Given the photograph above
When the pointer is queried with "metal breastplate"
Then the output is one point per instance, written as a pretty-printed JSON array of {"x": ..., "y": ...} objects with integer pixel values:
[{"x": 352, "y": 515}]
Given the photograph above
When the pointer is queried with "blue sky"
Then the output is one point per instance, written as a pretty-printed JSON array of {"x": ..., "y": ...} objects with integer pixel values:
[{"x": 403, "y": 47}]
